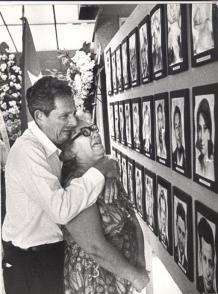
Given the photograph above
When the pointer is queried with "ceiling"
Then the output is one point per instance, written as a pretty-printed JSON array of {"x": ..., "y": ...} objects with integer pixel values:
[{"x": 54, "y": 26}]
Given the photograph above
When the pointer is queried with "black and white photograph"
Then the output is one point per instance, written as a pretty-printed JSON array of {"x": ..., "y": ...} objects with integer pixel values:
[
  {"x": 125, "y": 63},
  {"x": 116, "y": 121},
  {"x": 145, "y": 50},
  {"x": 124, "y": 173},
  {"x": 111, "y": 120},
  {"x": 114, "y": 72},
  {"x": 181, "y": 132},
  {"x": 206, "y": 248},
  {"x": 148, "y": 126},
  {"x": 158, "y": 41},
  {"x": 139, "y": 189},
  {"x": 162, "y": 128},
  {"x": 119, "y": 68},
  {"x": 128, "y": 120},
  {"x": 134, "y": 58},
  {"x": 164, "y": 213},
  {"x": 150, "y": 200},
  {"x": 204, "y": 31},
  {"x": 136, "y": 117},
  {"x": 108, "y": 67},
  {"x": 183, "y": 231},
  {"x": 131, "y": 180},
  {"x": 177, "y": 37},
  {"x": 119, "y": 160},
  {"x": 122, "y": 123},
  {"x": 205, "y": 126}
]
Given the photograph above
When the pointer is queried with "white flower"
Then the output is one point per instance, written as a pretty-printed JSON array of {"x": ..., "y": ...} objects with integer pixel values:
[
  {"x": 12, "y": 103},
  {"x": 11, "y": 84},
  {"x": 4, "y": 57},
  {"x": 18, "y": 86},
  {"x": 4, "y": 77},
  {"x": 11, "y": 56},
  {"x": 3, "y": 66},
  {"x": 4, "y": 106},
  {"x": 10, "y": 62},
  {"x": 12, "y": 77},
  {"x": 20, "y": 77},
  {"x": 15, "y": 95}
]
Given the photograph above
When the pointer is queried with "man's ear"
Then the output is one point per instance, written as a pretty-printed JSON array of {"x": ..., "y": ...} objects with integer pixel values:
[{"x": 39, "y": 116}]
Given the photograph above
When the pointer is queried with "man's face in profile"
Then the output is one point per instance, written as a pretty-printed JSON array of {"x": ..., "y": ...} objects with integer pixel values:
[
  {"x": 178, "y": 129},
  {"x": 181, "y": 234},
  {"x": 207, "y": 262}
]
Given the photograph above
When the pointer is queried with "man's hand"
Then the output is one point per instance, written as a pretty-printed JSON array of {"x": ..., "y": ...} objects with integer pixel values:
[
  {"x": 110, "y": 192},
  {"x": 108, "y": 167}
]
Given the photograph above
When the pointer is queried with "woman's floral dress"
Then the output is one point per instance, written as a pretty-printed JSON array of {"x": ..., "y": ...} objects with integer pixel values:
[{"x": 82, "y": 274}]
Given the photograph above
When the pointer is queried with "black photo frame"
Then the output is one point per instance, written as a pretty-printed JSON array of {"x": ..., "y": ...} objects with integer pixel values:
[
  {"x": 116, "y": 121},
  {"x": 164, "y": 208},
  {"x": 162, "y": 148},
  {"x": 125, "y": 63},
  {"x": 147, "y": 107},
  {"x": 136, "y": 124},
  {"x": 205, "y": 135},
  {"x": 158, "y": 41},
  {"x": 133, "y": 58},
  {"x": 122, "y": 125},
  {"x": 124, "y": 172},
  {"x": 131, "y": 180},
  {"x": 119, "y": 161},
  {"x": 150, "y": 200},
  {"x": 177, "y": 50},
  {"x": 204, "y": 33},
  {"x": 180, "y": 132},
  {"x": 206, "y": 222},
  {"x": 114, "y": 72},
  {"x": 183, "y": 232},
  {"x": 128, "y": 120},
  {"x": 145, "y": 59},
  {"x": 111, "y": 120},
  {"x": 108, "y": 69},
  {"x": 119, "y": 68},
  {"x": 139, "y": 189}
]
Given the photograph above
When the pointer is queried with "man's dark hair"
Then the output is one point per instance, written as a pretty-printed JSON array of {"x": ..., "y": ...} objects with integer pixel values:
[
  {"x": 205, "y": 232},
  {"x": 176, "y": 111},
  {"x": 41, "y": 96},
  {"x": 180, "y": 211},
  {"x": 160, "y": 108}
]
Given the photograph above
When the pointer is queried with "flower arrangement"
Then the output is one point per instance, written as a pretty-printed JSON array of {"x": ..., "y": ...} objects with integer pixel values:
[{"x": 10, "y": 92}]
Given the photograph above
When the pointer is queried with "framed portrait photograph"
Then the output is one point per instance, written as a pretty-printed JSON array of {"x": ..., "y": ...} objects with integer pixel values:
[
  {"x": 137, "y": 123},
  {"x": 119, "y": 68},
  {"x": 180, "y": 132},
  {"x": 162, "y": 128},
  {"x": 134, "y": 58},
  {"x": 164, "y": 207},
  {"x": 139, "y": 189},
  {"x": 183, "y": 232},
  {"x": 204, "y": 33},
  {"x": 206, "y": 221},
  {"x": 111, "y": 120},
  {"x": 131, "y": 180},
  {"x": 122, "y": 123},
  {"x": 119, "y": 161},
  {"x": 177, "y": 37},
  {"x": 148, "y": 127},
  {"x": 205, "y": 130},
  {"x": 150, "y": 200},
  {"x": 108, "y": 69},
  {"x": 145, "y": 50},
  {"x": 158, "y": 41},
  {"x": 125, "y": 63},
  {"x": 116, "y": 121},
  {"x": 124, "y": 172},
  {"x": 114, "y": 72},
  {"x": 128, "y": 120}
]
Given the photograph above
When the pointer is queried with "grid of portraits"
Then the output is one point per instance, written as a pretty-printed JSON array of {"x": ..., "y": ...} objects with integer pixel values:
[{"x": 158, "y": 46}]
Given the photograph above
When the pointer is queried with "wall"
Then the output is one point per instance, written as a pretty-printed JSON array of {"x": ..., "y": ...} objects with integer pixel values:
[{"x": 202, "y": 75}]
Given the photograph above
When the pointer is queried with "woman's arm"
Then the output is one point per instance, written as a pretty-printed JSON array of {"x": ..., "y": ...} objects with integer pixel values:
[{"x": 86, "y": 230}]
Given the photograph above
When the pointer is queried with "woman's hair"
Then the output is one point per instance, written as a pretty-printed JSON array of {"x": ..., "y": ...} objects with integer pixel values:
[
  {"x": 41, "y": 96},
  {"x": 204, "y": 110}
]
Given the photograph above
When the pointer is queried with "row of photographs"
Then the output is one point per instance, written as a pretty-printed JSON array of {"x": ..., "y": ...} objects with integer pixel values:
[
  {"x": 149, "y": 126},
  {"x": 158, "y": 46},
  {"x": 168, "y": 213}
]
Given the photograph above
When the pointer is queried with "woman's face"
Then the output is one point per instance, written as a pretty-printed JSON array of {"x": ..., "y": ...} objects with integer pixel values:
[
  {"x": 203, "y": 135},
  {"x": 86, "y": 149}
]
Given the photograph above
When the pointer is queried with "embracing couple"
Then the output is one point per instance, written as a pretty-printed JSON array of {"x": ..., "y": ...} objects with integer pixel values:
[{"x": 68, "y": 226}]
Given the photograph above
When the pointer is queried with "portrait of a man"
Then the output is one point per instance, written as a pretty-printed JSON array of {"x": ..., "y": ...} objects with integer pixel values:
[
  {"x": 138, "y": 189},
  {"x": 119, "y": 68},
  {"x": 136, "y": 125},
  {"x": 121, "y": 118},
  {"x": 119, "y": 160},
  {"x": 202, "y": 27},
  {"x": 125, "y": 63},
  {"x": 128, "y": 123},
  {"x": 124, "y": 173},
  {"x": 146, "y": 126},
  {"x": 206, "y": 280},
  {"x": 116, "y": 121},
  {"x": 156, "y": 41},
  {"x": 114, "y": 72},
  {"x": 130, "y": 175},
  {"x": 204, "y": 136},
  {"x": 133, "y": 58},
  {"x": 149, "y": 197},
  {"x": 160, "y": 129},
  {"x": 108, "y": 71},
  {"x": 178, "y": 138},
  {"x": 180, "y": 233},
  {"x": 163, "y": 215},
  {"x": 112, "y": 120},
  {"x": 143, "y": 40}
]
